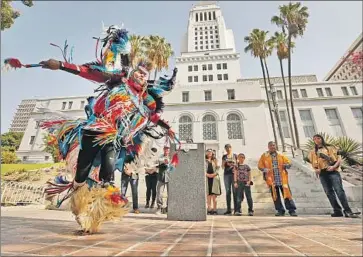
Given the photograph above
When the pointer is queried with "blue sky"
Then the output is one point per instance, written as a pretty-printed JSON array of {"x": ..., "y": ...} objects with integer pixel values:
[{"x": 332, "y": 27}]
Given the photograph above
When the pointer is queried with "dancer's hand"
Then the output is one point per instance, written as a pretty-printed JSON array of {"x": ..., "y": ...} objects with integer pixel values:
[
  {"x": 235, "y": 185},
  {"x": 51, "y": 64},
  {"x": 175, "y": 71}
]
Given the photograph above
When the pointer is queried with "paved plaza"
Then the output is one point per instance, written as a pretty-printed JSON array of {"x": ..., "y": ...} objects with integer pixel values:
[{"x": 28, "y": 231}]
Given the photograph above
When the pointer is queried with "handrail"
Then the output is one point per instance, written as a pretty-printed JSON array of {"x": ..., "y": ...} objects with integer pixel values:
[{"x": 304, "y": 153}]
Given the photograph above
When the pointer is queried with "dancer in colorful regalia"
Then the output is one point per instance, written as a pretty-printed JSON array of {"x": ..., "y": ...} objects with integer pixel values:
[{"x": 119, "y": 124}]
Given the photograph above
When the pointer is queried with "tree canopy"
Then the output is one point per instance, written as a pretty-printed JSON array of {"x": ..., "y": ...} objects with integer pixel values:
[{"x": 9, "y": 14}]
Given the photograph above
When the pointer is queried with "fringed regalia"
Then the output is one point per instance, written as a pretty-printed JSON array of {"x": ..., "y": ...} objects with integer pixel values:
[{"x": 119, "y": 129}]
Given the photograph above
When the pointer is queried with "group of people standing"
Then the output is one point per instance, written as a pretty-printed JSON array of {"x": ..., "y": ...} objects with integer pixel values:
[
  {"x": 157, "y": 179},
  {"x": 237, "y": 181},
  {"x": 274, "y": 165}
]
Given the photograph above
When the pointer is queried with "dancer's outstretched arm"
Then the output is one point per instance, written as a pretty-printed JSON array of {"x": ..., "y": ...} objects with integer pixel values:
[{"x": 83, "y": 71}]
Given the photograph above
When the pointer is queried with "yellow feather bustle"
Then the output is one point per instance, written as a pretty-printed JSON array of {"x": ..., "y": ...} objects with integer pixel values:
[{"x": 92, "y": 207}]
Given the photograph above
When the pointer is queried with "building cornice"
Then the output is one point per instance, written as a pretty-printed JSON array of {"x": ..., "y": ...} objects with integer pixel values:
[
  {"x": 226, "y": 56},
  {"x": 305, "y": 99},
  {"x": 216, "y": 102},
  {"x": 311, "y": 84}
]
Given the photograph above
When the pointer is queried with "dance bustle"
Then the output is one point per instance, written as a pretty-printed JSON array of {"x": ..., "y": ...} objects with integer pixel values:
[{"x": 94, "y": 206}]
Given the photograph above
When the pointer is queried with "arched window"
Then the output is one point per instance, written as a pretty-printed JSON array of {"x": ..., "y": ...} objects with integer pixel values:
[
  {"x": 234, "y": 126},
  {"x": 196, "y": 17},
  {"x": 205, "y": 16},
  {"x": 209, "y": 127},
  {"x": 185, "y": 128},
  {"x": 201, "y": 16}
]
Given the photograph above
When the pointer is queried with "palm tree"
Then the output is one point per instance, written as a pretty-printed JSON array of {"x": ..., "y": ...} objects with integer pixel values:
[
  {"x": 138, "y": 48},
  {"x": 256, "y": 44},
  {"x": 268, "y": 52},
  {"x": 293, "y": 18},
  {"x": 279, "y": 41},
  {"x": 158, "y": 51}
]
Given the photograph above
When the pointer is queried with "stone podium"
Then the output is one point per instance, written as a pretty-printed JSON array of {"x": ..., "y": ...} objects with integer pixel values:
[{"x": 187, "y": 186}]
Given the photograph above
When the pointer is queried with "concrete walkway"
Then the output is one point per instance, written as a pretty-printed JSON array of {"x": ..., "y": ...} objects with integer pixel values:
[{"x": 30, "y": 231}]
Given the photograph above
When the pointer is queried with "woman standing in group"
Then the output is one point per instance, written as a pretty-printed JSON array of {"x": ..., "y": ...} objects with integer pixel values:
[{"x": 213, "y": 181}]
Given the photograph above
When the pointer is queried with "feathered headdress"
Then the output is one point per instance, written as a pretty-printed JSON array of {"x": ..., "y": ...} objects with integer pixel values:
[{"x": 115, "y": 50}]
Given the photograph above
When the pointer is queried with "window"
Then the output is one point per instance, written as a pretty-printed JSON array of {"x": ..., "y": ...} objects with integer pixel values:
[
  {"x": 217, "y": 46},
  {"x": 46, "y": 158},
  {"x": 25, "y": 158},
  {"x": 206, "y": 33},
  {"x": 303, "y": 92},
  {"x": 196, "y": 48},
  {"x": 279, "y": 94},
  {"x": 358, "y": 115},
  {"x": 328, "y": 91},
  {"x": 190, "y": 79},
  {"x": 295, "y": 93},
  {"x": 231, "y": 95},
  {"x": 308, "y": 123},
  {"x": 219, "y": 66},
  {"x": 205, "y": 78},
  {"x": 185, "y": 128},
  {"x": 210, "y": 77},
  {"x": 206, "y": 47},
  {"x": 354, "y": 90},
  {"x": 208, "y": 95},
  {"x": 210, "y": 16},
  {"x": 195, "y": 78},
  {"x": 234, "y": 126},
  {"x": 210, "y": 66},
  {"x": 225, "y": 76},
  {"x": 219, "y": 76},
  {"x": 32, "y": 139},
  {"x": 345, "y": 91},
  {"x": 204, "y": 67},
  {"x": 320, "y": 92},
  {"x": 82, "y": 104},
  {"x": 284, "y": 124},
  {"x": 209, "y": 127},
  {"x": 224, "y": 66},
  {"x": 334, "y": 122},
  {"x": 37, "y": 124},
  {"x": 190, "y": 68},
  {"x": 196, "y": 18},
  {"x": 214, "y": 15},
  {"x": 196, "y": 33},
  {"x": 212, "y": 46},
  {"x": 185, "y": 97},
  {"x": 195, "y": 67},
  {"x": 64, "y": 105},
  {"x": 70, "y": 105}
]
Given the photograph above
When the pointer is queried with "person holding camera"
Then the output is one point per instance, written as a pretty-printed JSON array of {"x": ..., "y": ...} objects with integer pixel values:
[
  {"x": 229, "y": 161},
  {"x": 242, "y": 184},
  {"x": 326, "y": 162}
]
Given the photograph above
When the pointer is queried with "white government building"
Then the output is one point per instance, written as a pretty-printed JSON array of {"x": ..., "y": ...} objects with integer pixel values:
[{"x": 212, "y": 104}]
